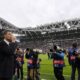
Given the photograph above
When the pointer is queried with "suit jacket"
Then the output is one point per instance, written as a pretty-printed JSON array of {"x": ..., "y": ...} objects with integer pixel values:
[{"x": 6, "y": 60}]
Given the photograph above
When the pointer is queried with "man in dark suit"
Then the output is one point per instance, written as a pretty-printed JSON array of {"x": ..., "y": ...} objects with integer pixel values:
[{"x": 6, "y": 57}]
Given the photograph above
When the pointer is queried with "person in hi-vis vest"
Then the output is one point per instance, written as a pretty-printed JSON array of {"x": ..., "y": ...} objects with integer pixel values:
[
  {"x": 74, "y": 60},
  {"x": 58, "y": 62}
]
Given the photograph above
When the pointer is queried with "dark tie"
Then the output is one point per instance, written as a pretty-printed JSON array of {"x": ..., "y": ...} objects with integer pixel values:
[{"x": 9, "y": 44}]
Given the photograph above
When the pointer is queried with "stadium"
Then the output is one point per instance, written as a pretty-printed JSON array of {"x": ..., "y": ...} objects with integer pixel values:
[
  {"x": 40, "y": 40},
  {"x": 43, "y": 37}
]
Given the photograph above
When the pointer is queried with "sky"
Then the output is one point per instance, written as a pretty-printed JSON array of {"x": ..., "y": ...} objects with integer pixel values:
[{"x": 31, "y": 13}]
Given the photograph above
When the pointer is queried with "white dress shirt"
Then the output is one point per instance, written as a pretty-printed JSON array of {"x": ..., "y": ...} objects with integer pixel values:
[{"x": 7, "y": 42}]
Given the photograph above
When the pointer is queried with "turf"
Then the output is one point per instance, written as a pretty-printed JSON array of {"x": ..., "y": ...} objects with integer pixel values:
[{"x": 46, "y": 69}]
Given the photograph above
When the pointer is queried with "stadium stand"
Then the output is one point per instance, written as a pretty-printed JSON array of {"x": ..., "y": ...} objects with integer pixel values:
[{"x": 45, "y": 36}]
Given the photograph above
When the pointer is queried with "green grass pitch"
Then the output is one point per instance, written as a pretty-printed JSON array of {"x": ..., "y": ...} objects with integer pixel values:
[{"x": 46, "y": 69}]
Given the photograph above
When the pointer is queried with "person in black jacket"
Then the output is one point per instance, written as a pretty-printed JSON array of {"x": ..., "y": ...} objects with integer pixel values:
[
  {"x": 14, "y": 45},
  {"x": 6, "y": 57}
]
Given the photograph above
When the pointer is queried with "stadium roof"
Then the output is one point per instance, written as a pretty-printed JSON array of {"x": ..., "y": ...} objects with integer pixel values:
[
  {"x": 47, "y": 31},
  {"x": 29, "y": 13}
]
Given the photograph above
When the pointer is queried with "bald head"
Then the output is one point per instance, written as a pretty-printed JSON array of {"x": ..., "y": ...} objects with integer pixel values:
[{"x": 13, "y": 38}]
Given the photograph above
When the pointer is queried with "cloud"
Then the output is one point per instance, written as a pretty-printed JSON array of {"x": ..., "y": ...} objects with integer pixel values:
[{"x": 25, "y": 13}]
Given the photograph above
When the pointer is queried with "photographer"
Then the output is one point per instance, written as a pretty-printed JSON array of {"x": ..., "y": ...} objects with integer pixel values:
[
  {"x": 38, "y": 67},
  {"x": 29, "y": 56},
  {"x": 33, "y": 64},
  {"x": 58, "y": 62},
  {"x": 74, "y": 60},
  {"x": 19, "y": 63},
  {"x": 36, "y": 63}
]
